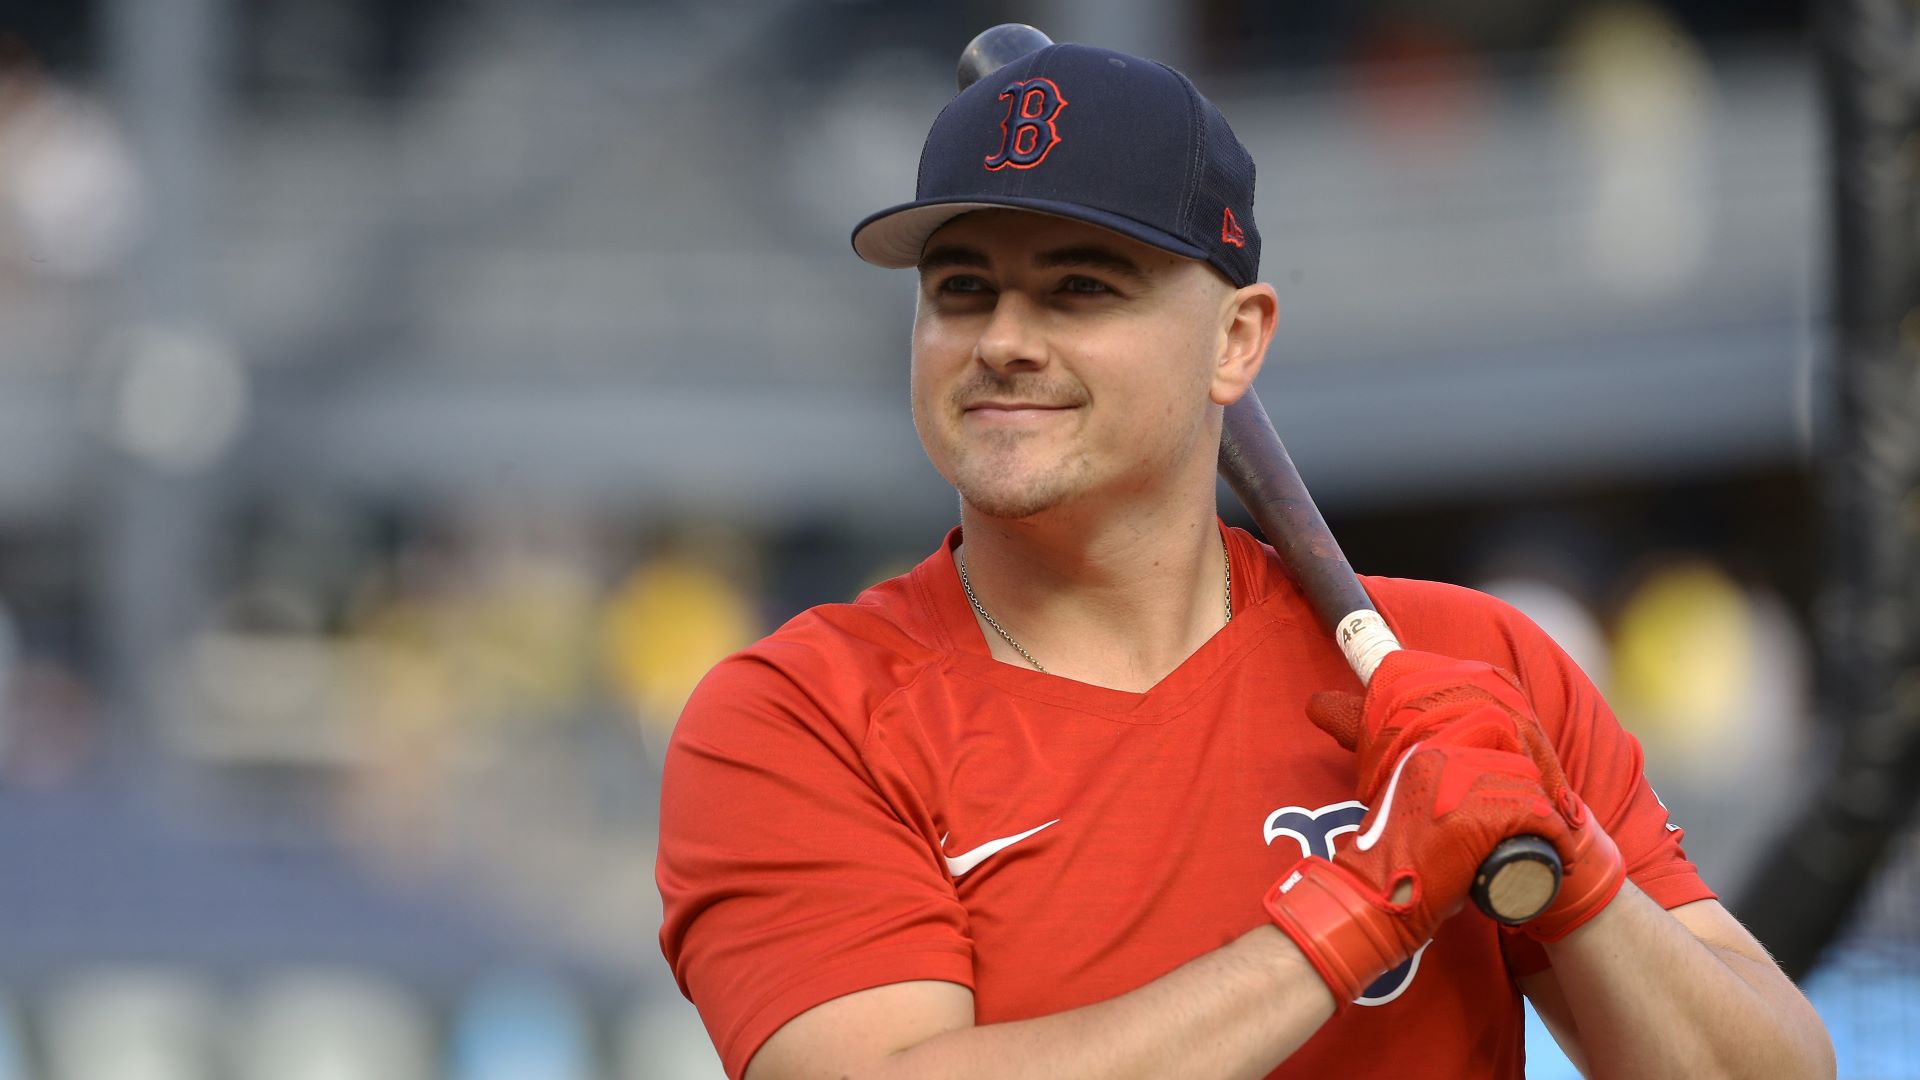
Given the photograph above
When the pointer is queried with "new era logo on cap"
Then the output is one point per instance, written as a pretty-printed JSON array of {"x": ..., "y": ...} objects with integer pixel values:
[
  {"x": 1230, "y": 231},
  {"x": 1098, "y": 136}
]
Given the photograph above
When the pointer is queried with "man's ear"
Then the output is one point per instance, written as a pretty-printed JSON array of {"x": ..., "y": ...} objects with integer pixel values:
[{"x": 1247, "y": 319}]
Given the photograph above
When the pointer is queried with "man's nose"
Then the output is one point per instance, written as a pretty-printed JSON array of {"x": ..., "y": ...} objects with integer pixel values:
[{"x": 1014, "y": 336}]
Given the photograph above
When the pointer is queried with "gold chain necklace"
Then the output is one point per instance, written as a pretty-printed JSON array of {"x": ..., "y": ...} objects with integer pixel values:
[{"x": 980, "y": 608}]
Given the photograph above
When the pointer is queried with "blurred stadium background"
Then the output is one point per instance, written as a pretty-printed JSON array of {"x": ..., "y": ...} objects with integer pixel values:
[{"x": 402, "y": 402}]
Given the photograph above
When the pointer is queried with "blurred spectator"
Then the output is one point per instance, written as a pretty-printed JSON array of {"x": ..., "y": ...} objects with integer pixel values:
[
  {"x": 1639, "y": 89},
  {"x": 1423, "y": 92},
  {"x": 1687, "y": 664},
  {"x": 70, "y": 197},
  {"x": 455, "y": 651},
  {"x": 1714, "y": 679},
  {"x": 671, "y": 619}
]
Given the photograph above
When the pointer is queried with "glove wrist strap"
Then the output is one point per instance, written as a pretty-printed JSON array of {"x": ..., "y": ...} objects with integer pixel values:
[
  {"x": 1338, "y": 924},
  {"x": 1591, "y": 876}
]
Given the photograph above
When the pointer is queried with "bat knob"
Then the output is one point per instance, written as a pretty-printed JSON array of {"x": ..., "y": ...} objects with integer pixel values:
[
  {"x": 996, "y": 47},
  {"x": 1519, "y": 880}
]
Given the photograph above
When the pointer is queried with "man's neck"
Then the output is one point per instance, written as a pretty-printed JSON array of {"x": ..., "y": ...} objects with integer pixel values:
[{"x": 1117, "y": 600}]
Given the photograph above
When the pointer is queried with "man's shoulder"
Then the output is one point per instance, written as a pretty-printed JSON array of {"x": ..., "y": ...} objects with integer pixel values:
[
  {"x": 1424, "y": 597},
  {"x": 1413, "y": 601},
  {"x": 883, "y": 626},
  {"x": 1454, "y": 620}
]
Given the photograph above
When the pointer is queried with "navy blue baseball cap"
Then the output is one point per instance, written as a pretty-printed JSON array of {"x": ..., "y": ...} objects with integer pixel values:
[{"x": 1089, "y": 134}]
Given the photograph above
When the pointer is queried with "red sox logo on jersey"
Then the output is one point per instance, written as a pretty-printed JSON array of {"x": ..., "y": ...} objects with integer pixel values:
[
  {"x": 1315, "y": 831},
  {"x": 1028, "y": 132}
]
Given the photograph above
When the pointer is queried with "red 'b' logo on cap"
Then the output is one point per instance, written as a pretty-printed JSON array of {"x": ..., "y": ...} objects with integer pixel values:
[{"x": 1028, "y": 131}]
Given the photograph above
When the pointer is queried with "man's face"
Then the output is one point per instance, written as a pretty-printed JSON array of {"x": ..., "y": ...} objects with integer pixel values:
[{"x": 1054, "y": 361}]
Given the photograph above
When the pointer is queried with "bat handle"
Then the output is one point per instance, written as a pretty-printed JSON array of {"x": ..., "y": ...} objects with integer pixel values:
[{"x": 1364, "y": 638}]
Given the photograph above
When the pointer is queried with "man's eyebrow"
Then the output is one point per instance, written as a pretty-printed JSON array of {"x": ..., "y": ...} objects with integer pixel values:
[
  {"x": 1091, "y": 256},
  {"x": 1088, "y": 256},
  {"x": 947, "y": 255}
]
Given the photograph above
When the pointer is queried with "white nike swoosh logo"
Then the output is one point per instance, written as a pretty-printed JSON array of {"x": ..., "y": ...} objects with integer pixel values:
[
  {"x": 1372, "y": 835},
  {"x": 967, "y": 860}
]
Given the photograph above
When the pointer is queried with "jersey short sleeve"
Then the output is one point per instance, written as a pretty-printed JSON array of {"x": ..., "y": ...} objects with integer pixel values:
[{"x": 790, "y": 874}]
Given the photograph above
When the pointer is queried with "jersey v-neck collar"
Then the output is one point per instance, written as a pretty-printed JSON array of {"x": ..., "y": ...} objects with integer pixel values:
[{"x": 1260, "y": 607}]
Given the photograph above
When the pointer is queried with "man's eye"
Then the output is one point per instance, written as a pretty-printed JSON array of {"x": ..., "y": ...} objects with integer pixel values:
[
  {"x": 963, "y": 283},
  {"x": 1086, "y": 285}
]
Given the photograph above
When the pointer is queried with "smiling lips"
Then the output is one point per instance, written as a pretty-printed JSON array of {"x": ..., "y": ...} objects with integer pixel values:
[{"x": 993, "y": 411}]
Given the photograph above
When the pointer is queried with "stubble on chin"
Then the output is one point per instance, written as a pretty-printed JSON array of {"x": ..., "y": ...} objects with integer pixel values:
[{"x": 998, "y": 484}]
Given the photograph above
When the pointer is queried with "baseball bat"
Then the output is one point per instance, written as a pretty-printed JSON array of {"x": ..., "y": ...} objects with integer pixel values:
[{"x": 1522, "y": 875}]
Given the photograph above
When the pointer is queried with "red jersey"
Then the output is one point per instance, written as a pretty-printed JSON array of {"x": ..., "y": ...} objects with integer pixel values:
[{"x": 868, "y": 797}]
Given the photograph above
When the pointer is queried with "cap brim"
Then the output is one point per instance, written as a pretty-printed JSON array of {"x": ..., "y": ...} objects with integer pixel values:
[{"x": 896, "y": 236}]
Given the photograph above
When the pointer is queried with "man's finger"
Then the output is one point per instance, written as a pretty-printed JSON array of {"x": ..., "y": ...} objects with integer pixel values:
[{"x": 1339, "y": 714}]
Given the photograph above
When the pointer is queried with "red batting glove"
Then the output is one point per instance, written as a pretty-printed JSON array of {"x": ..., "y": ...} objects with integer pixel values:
[
  {"x": 1418, "y": 696},
  {"x": 1443, "y": 809}
]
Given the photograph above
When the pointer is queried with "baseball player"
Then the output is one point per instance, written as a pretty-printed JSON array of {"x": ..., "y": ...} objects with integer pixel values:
[{"x": 1087, "y": 793}]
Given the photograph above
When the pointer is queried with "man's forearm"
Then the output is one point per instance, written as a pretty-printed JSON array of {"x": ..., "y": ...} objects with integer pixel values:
[
  {"x": 1237, "y": 1011},
  {"x": 1652, "y": 999}
]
